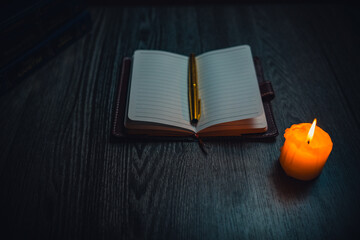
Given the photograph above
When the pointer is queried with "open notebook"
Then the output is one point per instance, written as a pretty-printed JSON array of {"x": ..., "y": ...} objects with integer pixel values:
[{"x": 157, "y": 99}]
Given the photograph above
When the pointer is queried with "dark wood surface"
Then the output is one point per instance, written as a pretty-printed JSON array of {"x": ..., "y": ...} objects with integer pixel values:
[{"x": 62, "y": 178}]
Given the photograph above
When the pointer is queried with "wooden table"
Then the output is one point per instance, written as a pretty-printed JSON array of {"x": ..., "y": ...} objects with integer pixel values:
[{"x": 62, "y": 177}]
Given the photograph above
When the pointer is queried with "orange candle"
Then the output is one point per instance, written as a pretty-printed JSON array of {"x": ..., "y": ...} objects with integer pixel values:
[{"x": 305, "y": 151}]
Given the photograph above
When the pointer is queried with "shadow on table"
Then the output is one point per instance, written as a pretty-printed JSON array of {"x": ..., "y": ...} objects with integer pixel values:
[{"x": 289, "y": 188}]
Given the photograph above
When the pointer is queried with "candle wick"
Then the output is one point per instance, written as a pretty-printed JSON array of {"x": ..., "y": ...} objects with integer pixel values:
[{"x": 308, "y": 141}]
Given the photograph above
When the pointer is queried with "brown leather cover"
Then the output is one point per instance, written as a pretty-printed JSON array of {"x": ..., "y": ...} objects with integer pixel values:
[{"x": 119, "y": 132}]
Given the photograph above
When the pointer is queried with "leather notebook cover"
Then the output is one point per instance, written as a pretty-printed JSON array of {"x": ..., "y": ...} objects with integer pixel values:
[{"x": 118, "y": 130}]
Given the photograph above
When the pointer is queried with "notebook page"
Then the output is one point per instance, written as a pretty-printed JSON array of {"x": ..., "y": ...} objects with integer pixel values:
[
  {"x": 228, "y": 86},
  {"x": 158, "y": 91}
]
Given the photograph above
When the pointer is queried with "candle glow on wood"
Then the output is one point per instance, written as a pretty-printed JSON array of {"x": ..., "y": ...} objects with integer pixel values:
[{"x": 305, "y": 150}]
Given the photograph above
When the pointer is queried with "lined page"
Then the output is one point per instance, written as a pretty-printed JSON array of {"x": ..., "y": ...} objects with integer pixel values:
[
  {"x": 158, "y": 91},
  {"x": 228, "y": 86}
]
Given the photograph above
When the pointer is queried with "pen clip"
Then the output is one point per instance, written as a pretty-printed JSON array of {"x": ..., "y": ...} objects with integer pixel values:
[{"x": 199, "y": 109}]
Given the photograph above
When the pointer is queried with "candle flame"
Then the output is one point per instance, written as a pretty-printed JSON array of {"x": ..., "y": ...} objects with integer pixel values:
[{"x": 311, "y": 132}]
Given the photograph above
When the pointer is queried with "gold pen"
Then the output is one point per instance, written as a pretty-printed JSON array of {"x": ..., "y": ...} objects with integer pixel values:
[{"x": 194, "y": 101}]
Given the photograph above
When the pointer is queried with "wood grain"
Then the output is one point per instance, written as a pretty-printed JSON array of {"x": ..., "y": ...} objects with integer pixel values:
[{"x": 62, "y": 178}]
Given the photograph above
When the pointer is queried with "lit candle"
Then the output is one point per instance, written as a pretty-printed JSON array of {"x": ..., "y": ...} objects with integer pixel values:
[{"x": 305, "y": 151}]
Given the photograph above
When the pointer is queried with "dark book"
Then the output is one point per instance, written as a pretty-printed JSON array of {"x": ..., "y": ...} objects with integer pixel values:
[
  {"x": 39, "y": 54},
  {"x": 29, "y": 25}
]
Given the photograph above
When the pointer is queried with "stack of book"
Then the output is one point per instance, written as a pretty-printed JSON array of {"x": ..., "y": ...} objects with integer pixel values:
[{"x": 32, "y": 32}]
